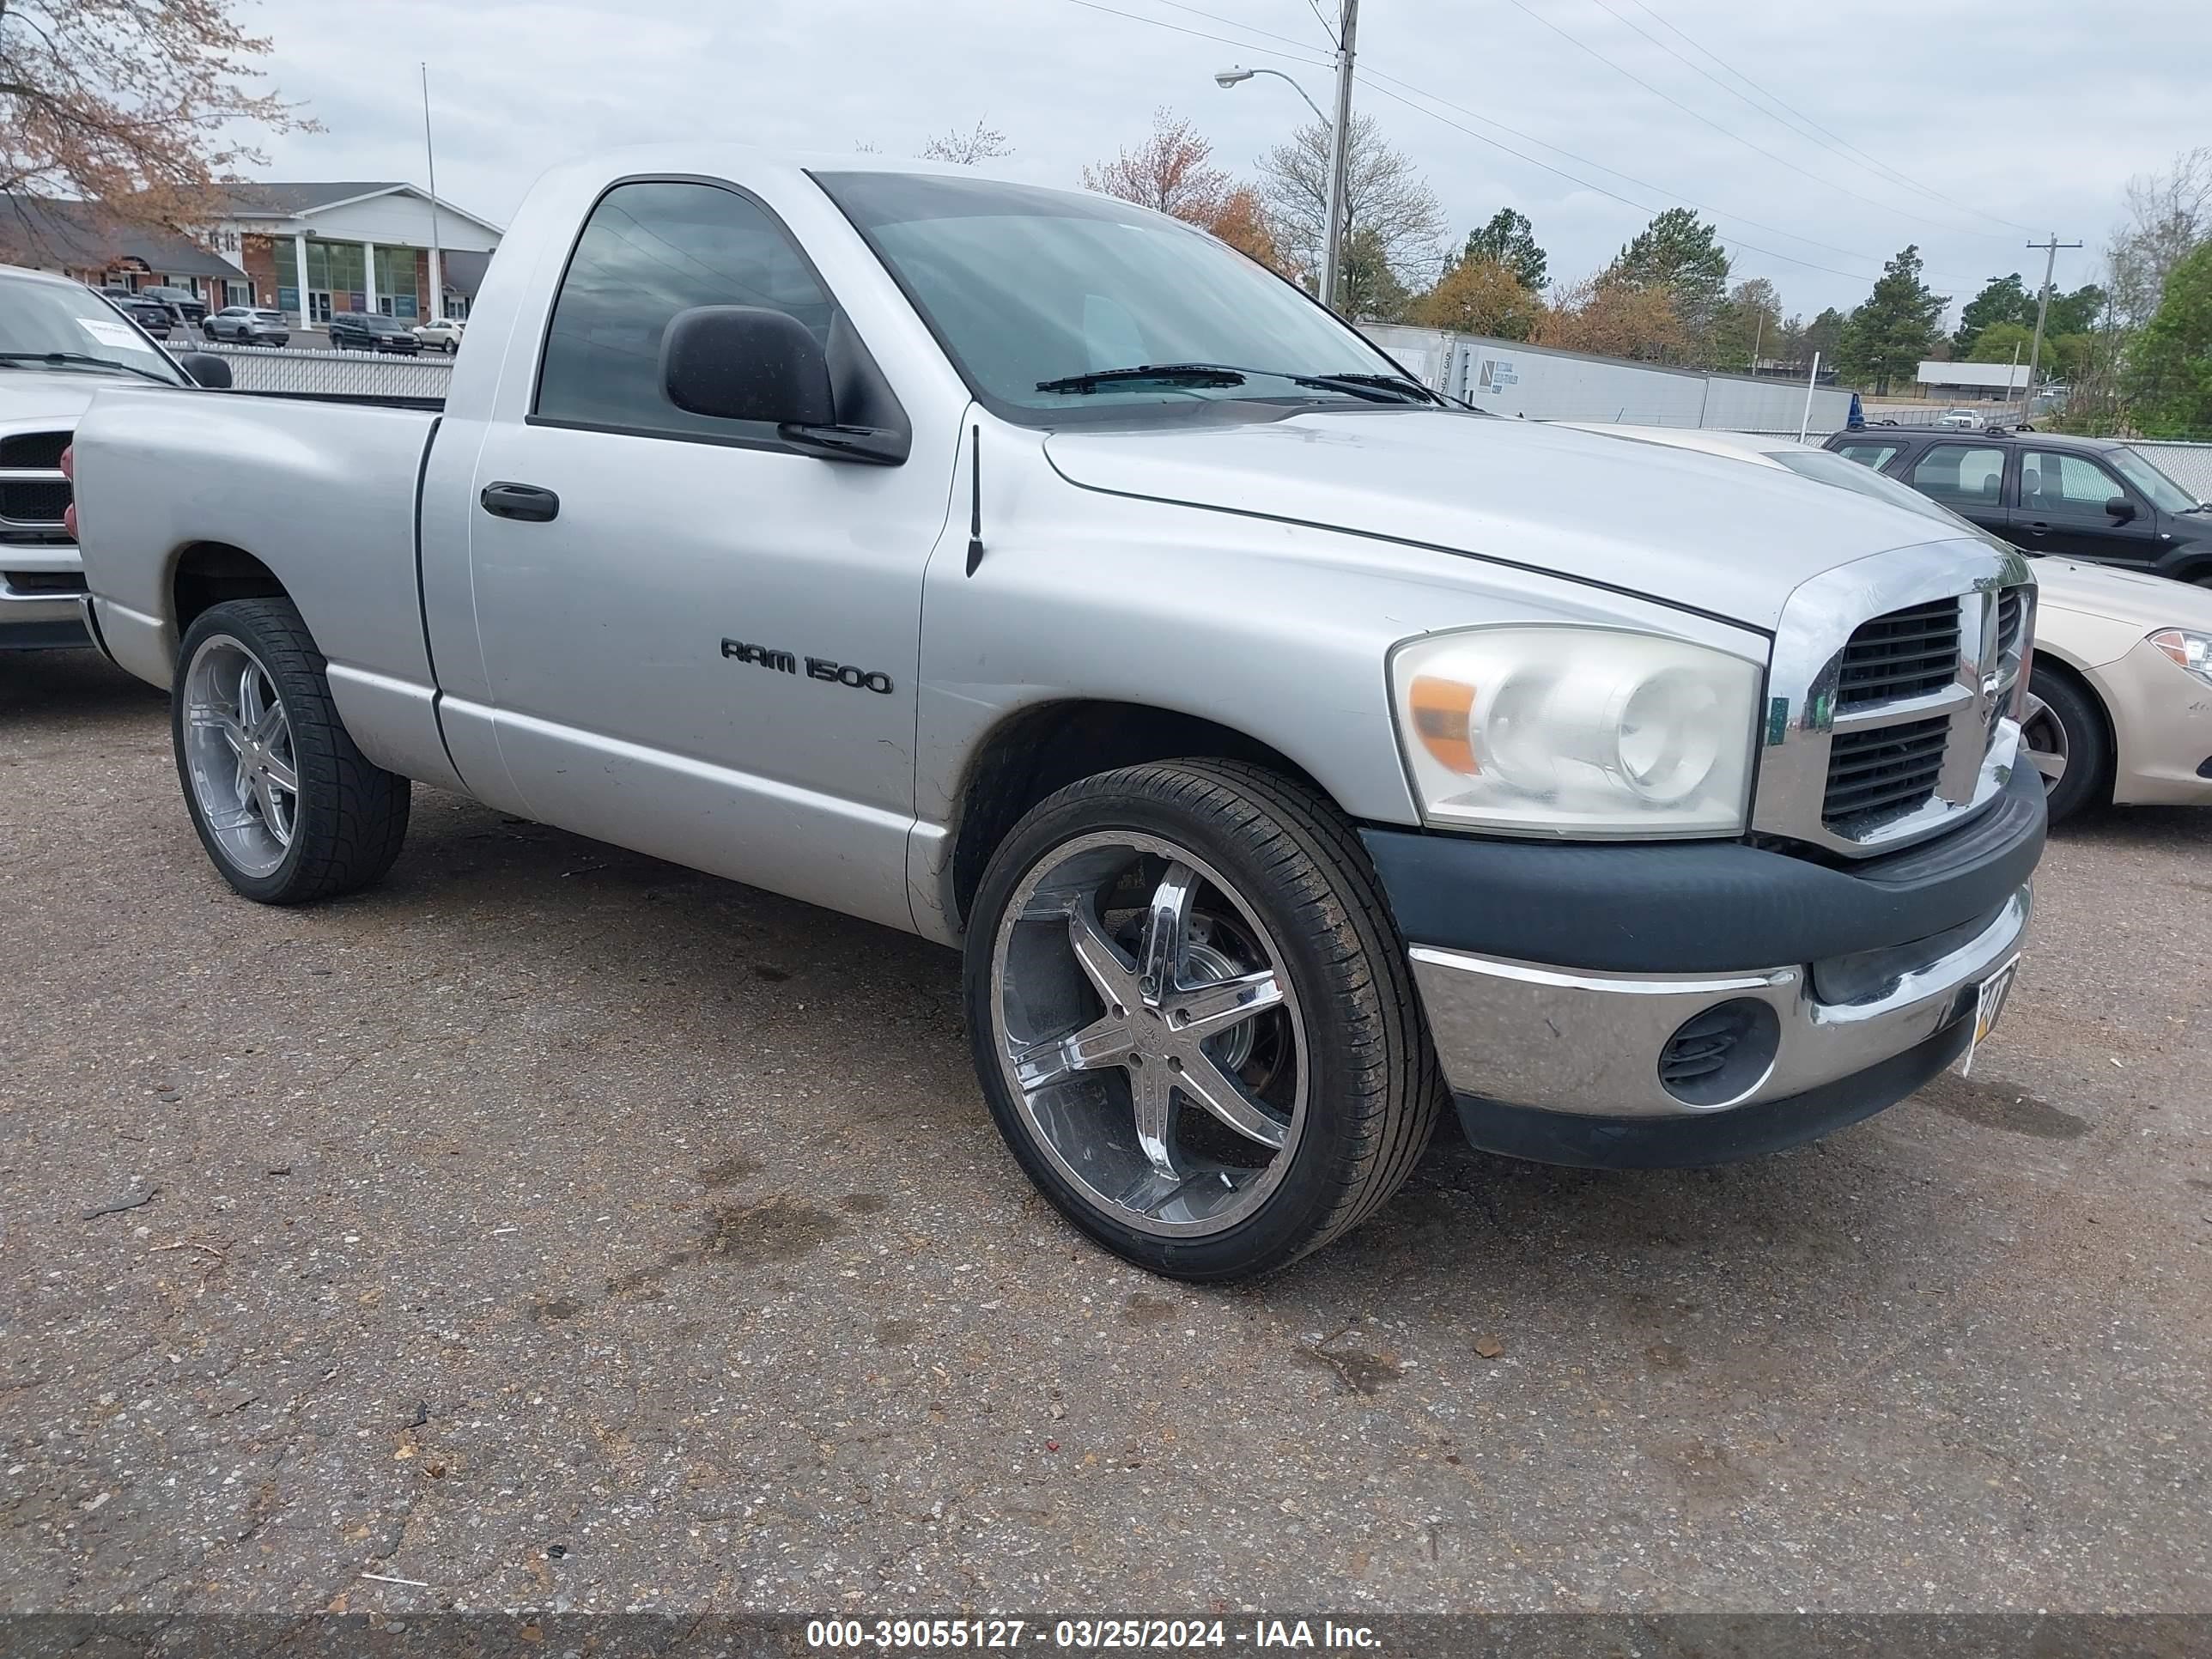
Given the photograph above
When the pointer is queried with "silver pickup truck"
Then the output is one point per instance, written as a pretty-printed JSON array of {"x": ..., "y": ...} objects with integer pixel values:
[{"x": 1293, "y": 755}]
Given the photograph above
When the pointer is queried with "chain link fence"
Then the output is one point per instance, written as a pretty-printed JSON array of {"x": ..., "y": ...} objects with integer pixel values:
[
  {"x": 2189, "y": 465},
  {"x": 354, "y": 373}
]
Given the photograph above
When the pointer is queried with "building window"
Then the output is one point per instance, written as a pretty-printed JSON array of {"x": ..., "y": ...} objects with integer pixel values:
[{"x": 396, "y": 294}]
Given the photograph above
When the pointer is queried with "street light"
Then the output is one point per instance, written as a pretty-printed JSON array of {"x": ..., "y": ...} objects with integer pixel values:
[{"x": 1228, "y": 77}]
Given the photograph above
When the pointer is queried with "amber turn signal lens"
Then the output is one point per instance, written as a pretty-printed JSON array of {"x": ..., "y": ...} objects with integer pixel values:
[{"x": 1443, "y": 713}]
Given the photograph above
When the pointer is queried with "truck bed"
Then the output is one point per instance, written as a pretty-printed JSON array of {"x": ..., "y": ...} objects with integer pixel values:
[{"x": 326, "y": 488}]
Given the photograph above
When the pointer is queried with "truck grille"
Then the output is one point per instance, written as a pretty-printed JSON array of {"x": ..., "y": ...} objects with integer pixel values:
[
  {"x": 34, "y": 494},
  {"x": 1882, "y": 770},
  {"x": 34, "y": 502},
  {"x": 26, "y": 450},
  {"x": 2012, "y": 605},
  {"x": 1889, "y": 692},
  {"x": 1907, "y": 654}
]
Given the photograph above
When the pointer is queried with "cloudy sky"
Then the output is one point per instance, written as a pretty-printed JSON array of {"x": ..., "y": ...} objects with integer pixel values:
[{"x": 1982, "y": 122}]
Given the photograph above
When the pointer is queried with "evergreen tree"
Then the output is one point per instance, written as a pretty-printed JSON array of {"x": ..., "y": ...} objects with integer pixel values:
[
  {"x": 1509, "y": 240},
  {"x": 2002, "y": 300},
  {"x": 1681, "y": 256},
  {"x": 1886, "y": 338}
]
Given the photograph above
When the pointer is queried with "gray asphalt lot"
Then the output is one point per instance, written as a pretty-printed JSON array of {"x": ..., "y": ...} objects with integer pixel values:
[{"x": 553, "y": 1226}]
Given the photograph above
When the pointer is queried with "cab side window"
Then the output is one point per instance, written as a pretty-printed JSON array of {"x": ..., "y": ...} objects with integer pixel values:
[
  {"x": 2064, "y": 483},
  {"x": 1876, "y": 456},
  {"x": 649, "y": 251},
  {"x": 1969, "y": 475}
]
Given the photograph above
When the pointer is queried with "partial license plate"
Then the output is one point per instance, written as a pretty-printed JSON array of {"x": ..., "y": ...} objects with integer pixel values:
[{"x": 1989, "y": 1007}]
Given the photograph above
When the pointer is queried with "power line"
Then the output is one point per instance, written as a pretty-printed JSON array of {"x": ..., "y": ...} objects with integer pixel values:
[
  {"x": 1641, "y": 183},
  {"x": 1881, "y": 165},
  {"x": 1725, "y": 132},
  {"x": 1371, "y": 77},
  {"x": 1162, "y": 23},
  {"x": 1249, "y": 28},
  {"x": 1810, "y": 264}
]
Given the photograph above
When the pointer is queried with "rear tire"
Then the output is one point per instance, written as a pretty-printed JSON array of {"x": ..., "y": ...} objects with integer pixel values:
[
  {"x": 2064, "y": 734},
  {"x": 1134, "y": 917},
  {"x": 287, "y": 807}
]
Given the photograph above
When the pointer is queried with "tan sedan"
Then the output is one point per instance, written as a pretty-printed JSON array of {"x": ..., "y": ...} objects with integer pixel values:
[{"x": 2120, "y": 700}]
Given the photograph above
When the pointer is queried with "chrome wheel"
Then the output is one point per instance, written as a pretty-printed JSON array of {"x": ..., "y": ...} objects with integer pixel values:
[
  {"x": 2043, "y": 736},
  {"x": 1146, "y": 1026},
  {"x": 239, "y": 755}
]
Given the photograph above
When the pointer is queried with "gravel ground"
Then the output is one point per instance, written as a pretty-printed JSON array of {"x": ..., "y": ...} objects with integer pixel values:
[{"x": 553, "y": 1226}]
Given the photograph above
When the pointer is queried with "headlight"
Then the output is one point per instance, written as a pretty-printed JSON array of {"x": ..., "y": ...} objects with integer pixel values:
[
  {"x": 1573, "y": 731},
  {"x": 2190, "y": 652}
]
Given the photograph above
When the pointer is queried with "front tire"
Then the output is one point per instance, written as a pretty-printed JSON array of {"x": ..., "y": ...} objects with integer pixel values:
[
  {"x": 1194, "y": 1020},
  {"x": 287, "y": 807},
  {"x": 2064, "y": 734}
]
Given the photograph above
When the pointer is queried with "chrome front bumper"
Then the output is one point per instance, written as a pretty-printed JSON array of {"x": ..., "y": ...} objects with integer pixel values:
[
  {"x": 33, "y": 619},
  {"x": 1590, "y": 1044}
]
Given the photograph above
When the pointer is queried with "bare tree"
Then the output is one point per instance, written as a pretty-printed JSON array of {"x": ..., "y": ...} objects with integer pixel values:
[
  {"x": 1386, "y": 196},
  {"x": 134, "y": 104},
  {"x": 1171, "y": 172},
  {"x": 2168, "y": 214},
  {"x": 979, "y": 143}
]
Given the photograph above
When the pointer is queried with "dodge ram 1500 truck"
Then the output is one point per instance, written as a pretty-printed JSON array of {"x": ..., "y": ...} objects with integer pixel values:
[{"x": 1293, "y": 755}]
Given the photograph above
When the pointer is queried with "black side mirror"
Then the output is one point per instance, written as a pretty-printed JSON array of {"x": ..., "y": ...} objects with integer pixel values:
[
  {"x": 746, "y": 363},
  {"x": 2122, "y": 509},
  {"x": 206, "y": 369}
]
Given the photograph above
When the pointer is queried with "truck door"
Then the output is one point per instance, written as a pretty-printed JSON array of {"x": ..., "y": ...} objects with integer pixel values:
[{"x": 696, "y": 642}]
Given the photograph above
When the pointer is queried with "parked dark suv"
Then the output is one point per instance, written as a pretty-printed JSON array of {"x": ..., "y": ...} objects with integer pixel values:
[
  {"x": 149, "y": 315},
  {"x": 187, "y": 306},
  {"x": 372, "y": 330},
  {"x": 2086, "y": 498}
]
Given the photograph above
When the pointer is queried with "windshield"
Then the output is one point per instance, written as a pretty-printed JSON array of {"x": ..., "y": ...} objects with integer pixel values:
[
  {"x": 2165, "y": 495},
  {"x": 1030, "y": 291},
  {"x": 41, "y": 319}
]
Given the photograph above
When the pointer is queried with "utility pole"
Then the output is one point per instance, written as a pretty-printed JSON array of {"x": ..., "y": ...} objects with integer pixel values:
[
  {"x": 2042, "y": 310},
  {"x": 1340, "y": 161},
  {"x": 430, "y": 154}
]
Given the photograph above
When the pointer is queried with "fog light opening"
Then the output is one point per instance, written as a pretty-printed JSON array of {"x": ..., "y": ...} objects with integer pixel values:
[{"x": 1720, "y": 1054}]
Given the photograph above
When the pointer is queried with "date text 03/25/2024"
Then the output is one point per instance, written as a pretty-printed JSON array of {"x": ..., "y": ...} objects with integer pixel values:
[{"x": 1086, "y": 1635}]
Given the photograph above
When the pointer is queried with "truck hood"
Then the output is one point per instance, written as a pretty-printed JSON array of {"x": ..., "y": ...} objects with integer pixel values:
[
  {"x": 33, "y": 400},
  {"x": 1703, "y": 531}
]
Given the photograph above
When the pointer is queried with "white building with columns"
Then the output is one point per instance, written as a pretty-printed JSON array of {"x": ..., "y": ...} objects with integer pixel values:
[{"x": 309, "y": 250}]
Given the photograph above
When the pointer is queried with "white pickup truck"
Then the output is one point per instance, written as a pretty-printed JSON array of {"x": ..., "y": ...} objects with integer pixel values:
[
  {"x": 60, "y": 341},
  {"x": 1294, "y": 757}
]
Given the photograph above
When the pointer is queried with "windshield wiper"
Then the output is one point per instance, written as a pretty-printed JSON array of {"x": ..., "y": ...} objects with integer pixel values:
[
  {"x": 1172, "y": 373},
  {"x": 1405, "y": 389},
  {"x": 83, "y": 360},
  {"x": 1368, "y": 388}
]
